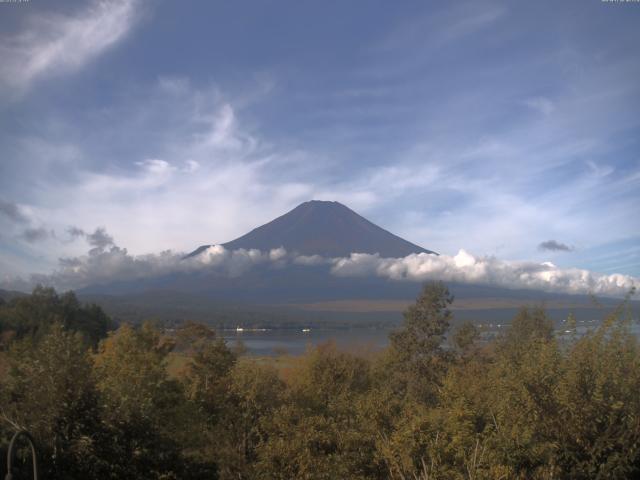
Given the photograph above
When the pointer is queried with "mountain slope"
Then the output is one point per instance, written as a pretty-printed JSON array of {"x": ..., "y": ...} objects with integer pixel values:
[
  {"x": 282, "y": 291},
  {"x": 323, "y": 228}
]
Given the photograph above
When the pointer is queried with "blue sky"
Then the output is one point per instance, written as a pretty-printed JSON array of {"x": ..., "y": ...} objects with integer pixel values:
[{"x": 489, "y": 126}]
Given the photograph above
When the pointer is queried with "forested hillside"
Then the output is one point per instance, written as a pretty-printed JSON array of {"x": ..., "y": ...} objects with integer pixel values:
[{"x": 103, "y": 402}]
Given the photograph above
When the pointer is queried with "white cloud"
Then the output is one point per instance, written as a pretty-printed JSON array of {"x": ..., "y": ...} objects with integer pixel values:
[
  {"x": 223, "y": 132},
  {"x": 277, "y": 254},
  {"x": 437, "y": 28},
  {"x": 490, "y": 186},
  {"x": 466, "y": 268},
  {"x": 232, "y": 262},
  {"x": 107, "y": 262},
  {"x": 156, "y": 167},
  {"x": 53, "y": 43},
  {"x": 199, "y": 184},
  {"x": 311, "y": 260}
]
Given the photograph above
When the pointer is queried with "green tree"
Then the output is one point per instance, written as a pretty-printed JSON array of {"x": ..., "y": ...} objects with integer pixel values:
[
  {"x": 530, "y": 326},
  {"x": 417, "y": 356},
  {"x": 34, "y": 314},
  {"x": 254, "y": 392},
  {"x": 465, "y": 338},
  {"x": 207, "y": 384},
  {"x": 320, "y": 432},
  {"x": 206, "y": 378},
  {"x": 597, "y": 426},
  {"x": 49, "y": 391},
  {"x": 144, "y": 408}
]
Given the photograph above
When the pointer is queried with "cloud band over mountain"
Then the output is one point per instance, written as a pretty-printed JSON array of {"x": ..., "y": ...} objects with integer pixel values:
[
  {"x": 110, "y": 263},
  {"x": 467, "y": 268}
]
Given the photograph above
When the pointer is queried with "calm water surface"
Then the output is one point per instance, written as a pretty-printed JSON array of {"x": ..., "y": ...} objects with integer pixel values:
[{"x": 296, "y": 341}]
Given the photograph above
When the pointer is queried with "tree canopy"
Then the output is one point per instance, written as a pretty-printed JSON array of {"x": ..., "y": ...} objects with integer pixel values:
[{"x": 143, "y": 402}]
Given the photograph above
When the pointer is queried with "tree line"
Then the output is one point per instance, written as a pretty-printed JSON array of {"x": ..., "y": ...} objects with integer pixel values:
[{"x": 435, "y": 404}]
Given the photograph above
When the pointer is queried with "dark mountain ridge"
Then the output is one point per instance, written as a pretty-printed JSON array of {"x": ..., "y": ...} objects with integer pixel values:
[{"x": 323, "y": 228}]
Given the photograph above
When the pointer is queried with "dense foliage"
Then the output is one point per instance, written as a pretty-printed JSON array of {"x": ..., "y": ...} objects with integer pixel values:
[{"x": 114, "y": 405}]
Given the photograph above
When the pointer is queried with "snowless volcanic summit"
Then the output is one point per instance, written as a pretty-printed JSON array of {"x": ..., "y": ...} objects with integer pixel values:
[{"x": 323, "y": 228}]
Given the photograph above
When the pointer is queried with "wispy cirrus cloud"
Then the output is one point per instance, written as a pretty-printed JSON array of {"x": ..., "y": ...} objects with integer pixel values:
[
  {"x": 477, "y": 123},
  {"x": 53, "y": 43},
  {"x": 437, "y": 28},
  {"x": 200, "y": 184},
  {"x": 541, "y": 104}
]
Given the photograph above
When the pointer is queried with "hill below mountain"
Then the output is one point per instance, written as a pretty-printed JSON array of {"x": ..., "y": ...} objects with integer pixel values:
[
  {"x": 329, "y": 229},
  {"x": 6, "y": 295}
]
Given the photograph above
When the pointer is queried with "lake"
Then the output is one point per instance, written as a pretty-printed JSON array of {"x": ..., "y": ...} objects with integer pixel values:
[{"x": 296, "y": 341}]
